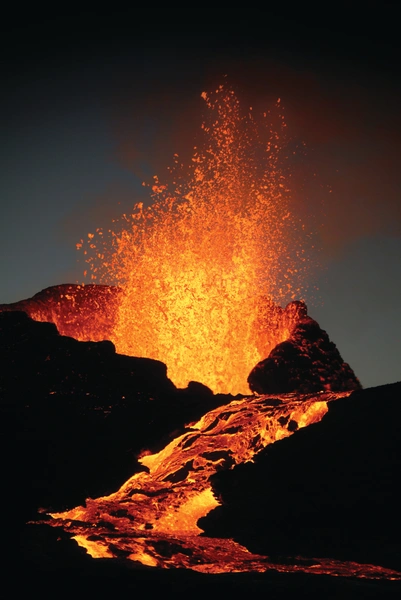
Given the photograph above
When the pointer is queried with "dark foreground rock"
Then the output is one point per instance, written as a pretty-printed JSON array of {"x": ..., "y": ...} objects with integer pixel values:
[
  {"x": 330, "y": 490},
  {"x": 307, "y": 362},
  {"x": 76, "y": 415}
]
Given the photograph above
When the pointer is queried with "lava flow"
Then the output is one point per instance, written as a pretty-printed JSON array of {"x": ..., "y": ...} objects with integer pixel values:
[
  {"x": 152, "y": 518},
  {"x": 194, "y": 265},
  {"x": 200, "y": 274}
]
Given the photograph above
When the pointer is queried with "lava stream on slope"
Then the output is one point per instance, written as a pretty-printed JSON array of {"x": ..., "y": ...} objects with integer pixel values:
[{"x": 153, "y": 517}]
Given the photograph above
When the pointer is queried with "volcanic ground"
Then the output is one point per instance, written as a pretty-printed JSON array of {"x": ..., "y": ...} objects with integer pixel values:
[{"x": 80, "y": 420}]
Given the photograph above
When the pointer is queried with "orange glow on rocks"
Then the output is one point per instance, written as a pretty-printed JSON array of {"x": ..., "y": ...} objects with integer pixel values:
[
  {"x": 153, "y": 518},
  {"x": 175, "y": 492},
  {"x": 194, "y": 265}
]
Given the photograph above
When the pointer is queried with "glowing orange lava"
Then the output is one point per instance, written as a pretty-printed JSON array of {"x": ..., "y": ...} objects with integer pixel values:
[
  {"x": 194, "y": 265},
  {"x": 176, "y": 492},
  {"x": 201, "y": 273},
  {"x": 160, "y": 508}
]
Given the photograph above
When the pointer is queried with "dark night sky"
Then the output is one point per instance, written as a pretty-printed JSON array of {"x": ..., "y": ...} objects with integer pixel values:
[{"x": 93, "y": 105}]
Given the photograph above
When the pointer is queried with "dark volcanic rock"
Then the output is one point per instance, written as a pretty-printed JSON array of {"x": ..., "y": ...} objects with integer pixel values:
[
  {"x": 75, "y": 415},
  {"x": 331, "y": 489},
  {"x": 40, "y": 361},
  {"x": 305, "y": 363}
]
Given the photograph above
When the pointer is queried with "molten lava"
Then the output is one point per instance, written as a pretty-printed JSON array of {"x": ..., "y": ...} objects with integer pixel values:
[
  {"x": 200, "y": 274},
  {"x": 194, "y": 265},
  {"x": 175, "y": 492},
  {"x": 152, "y": 518}
]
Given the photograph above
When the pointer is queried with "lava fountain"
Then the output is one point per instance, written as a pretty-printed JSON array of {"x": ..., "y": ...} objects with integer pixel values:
[
  {"x": 196, "y": 264},
  {"x": 201, "y": 273}
]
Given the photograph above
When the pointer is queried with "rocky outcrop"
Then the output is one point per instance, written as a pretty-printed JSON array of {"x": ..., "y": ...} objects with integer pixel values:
[
  {"x": 306, "y": 362},
  {"x": 75, "y": 415},
  {"x": 331, "y": 489}
]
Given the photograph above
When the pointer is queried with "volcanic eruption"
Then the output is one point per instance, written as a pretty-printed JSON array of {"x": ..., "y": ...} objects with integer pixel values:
[
  {"x": 195, "y": 280},
  {"x": 197, "y": 263}
]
